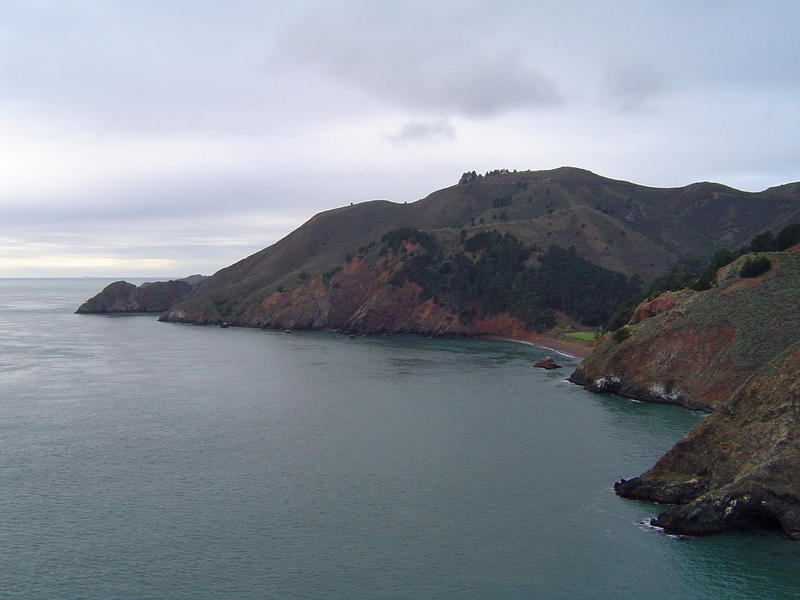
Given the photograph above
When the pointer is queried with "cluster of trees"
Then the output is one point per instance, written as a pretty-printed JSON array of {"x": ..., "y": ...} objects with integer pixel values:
[
  {"x": 471, "y": 176},
  {"x": 583, "y": 289},
  {"x": 468, "y": 177},
  {"x": 495, "y": 273},
  {"x": 767, "y": 242},
  {"x": 392, "y": 240},
  {"x": 494, "y": 172}
]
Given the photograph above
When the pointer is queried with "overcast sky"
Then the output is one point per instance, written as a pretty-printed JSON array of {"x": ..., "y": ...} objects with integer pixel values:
[{"x": 164, "y": 138}]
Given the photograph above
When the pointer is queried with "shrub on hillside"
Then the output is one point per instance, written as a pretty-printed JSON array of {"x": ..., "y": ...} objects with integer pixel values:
[
  {"x": 621, "y": 334},
  {"x": 624, "y": 312},
  {"x": 753, "y": 267},
  {"x": 708, "y": 275}
]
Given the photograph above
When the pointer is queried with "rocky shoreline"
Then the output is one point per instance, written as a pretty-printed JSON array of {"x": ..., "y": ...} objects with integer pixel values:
[
  {"x": 352, "y": 306},
  {"x": 124, "y": 297}
]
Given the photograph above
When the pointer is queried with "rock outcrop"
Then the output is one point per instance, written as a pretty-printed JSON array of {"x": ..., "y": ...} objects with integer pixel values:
[
  {"x": 546, "y": 363},
  {"x": 651, "y": 308}
]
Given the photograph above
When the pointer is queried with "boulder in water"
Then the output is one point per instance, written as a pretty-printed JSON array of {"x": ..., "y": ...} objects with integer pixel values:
[{"x": 547, "y": 363}]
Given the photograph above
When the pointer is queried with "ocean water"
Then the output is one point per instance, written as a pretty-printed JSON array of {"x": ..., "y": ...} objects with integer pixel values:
[{"x": 141, "y": 459}]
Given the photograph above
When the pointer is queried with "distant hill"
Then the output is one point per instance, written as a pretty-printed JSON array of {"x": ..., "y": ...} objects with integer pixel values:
[
  {"x": 124, "y": 297},
  {"x": 620, "y": 226}
]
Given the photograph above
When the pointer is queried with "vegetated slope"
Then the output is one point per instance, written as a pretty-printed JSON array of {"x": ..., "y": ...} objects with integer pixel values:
[
  {"x": 736, "y": 348},
  {"x": 615, "y": 224},
  {"x": 695, "y": 348}
]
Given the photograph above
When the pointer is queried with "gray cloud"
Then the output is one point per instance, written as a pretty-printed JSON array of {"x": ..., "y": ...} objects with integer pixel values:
[
  {"x": 423, "y": 131},
  {"x": 143, "y": 66},
  {"x": 633, "y": 87},
  {"x": 401, "y": 56}
]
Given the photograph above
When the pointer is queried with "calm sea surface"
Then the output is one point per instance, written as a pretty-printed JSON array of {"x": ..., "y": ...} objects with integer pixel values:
[{"x": 141, "y": 459}]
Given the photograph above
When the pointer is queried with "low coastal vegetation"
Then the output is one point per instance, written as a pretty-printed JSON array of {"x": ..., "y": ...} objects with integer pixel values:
[{"x": 586, "y": 336}]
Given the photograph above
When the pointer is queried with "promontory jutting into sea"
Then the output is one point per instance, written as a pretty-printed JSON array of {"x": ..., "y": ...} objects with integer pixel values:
[{"x": 357, "y": 418}]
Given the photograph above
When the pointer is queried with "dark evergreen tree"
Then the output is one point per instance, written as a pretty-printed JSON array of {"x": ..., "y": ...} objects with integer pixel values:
[
  {"x": 763, "y": 243},
  {"x": 788, "y": 237}
]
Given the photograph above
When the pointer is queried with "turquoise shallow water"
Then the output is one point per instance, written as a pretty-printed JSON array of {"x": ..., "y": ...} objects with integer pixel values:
[{"x": 148, "y": 460}]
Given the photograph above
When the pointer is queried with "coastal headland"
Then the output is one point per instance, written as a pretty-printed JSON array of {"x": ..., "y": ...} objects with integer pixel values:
[{"x": 530, "y": 255}]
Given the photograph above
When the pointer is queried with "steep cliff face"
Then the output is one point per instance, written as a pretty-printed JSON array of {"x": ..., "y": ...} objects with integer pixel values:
[
  {"x": 697, "y": 348},
  {"x": 740, "y": 468},
  {"x": 358, "y": 298},
  {"x": 689, "y": 365}
]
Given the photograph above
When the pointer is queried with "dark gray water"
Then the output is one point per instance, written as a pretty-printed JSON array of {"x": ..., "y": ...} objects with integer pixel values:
[{"x": 148, "y": 460}]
